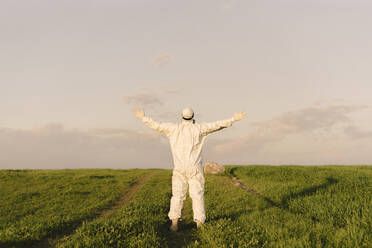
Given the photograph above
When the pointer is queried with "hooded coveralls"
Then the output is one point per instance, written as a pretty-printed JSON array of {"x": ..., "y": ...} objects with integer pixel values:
[{"x": 186, "y": 141}]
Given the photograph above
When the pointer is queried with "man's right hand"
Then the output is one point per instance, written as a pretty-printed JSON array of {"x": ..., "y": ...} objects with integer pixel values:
[
  {"x": 239, "y": 116},
  {"x": 139, "y": 113}
]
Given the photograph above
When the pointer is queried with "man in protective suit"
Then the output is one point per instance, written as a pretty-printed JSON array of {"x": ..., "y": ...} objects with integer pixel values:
[{"x": 186, "y": 140}]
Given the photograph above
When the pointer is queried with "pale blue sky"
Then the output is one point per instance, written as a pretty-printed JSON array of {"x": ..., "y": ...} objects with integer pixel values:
[{"x": 84, "y": 64}]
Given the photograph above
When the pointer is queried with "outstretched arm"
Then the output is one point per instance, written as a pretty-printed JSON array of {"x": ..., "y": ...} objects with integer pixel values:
[
  {"x": 161, "y": 127},
  {"x": 207, "y": 128}
]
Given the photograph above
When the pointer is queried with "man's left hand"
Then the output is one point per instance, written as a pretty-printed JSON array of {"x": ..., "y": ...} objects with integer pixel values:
[{"x": 139, "y": 113}]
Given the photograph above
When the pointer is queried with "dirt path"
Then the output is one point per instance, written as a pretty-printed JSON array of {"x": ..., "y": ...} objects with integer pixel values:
[
  {"x": 126, "y": 196},
  {"x": 239, "y": 183}
]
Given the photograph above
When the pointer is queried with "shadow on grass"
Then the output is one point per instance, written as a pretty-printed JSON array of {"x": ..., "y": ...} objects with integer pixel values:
[
  {"x": 284, "y": 203},
  {"x": 232, "y": 216},
  {"x": 55, "y": 233},
  {"x": 187, "y": 231},
  {"x": 15, "y": 244},
  {"x": 184, "y": 236},
  {"x": 304, "y": 193},
  {"x": 307, "y": 192},
  {"x": 101, "y": 177}
]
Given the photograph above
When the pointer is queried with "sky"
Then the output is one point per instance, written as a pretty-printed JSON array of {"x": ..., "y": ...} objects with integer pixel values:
[{"x": 72, "y": 71}]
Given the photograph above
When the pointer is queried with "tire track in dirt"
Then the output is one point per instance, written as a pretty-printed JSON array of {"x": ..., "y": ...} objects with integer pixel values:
[
  {"x": 126, "y": 197},
  {"x": 239, "y": 183}
]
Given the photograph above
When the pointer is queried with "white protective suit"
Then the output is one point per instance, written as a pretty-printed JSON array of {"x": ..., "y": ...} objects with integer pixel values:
[{"x": 186, "y": 140}]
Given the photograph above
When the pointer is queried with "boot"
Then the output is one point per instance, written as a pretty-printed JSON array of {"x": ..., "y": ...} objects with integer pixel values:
[
  {"x": 198, "y": 223},
  {"x": 174, "y": 226}
]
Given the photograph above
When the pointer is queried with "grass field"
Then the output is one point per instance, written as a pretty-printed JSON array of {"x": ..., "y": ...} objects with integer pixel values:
[{"x": 248, "y": 206}]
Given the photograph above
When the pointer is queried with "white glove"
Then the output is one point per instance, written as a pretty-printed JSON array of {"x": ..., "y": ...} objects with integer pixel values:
[
  {"x": 139, "y": 113},
  {"x": 239, "y": 116}
]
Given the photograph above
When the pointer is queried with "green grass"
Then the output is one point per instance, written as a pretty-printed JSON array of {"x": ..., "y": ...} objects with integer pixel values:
[
  {"x": 39, "y": 203},
  {"x": 318, "y": 206},
  {"x": 141, "y": 223},
  {"x": 296, "y": 207}
]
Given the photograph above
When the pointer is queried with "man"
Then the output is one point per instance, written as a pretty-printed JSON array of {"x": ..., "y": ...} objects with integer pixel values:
[{"x": 186, "y": 140}]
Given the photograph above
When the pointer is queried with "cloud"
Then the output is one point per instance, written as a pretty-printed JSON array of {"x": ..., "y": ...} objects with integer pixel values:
[
  {"x": 314, "y": 135},
  {"x": 320, "y": 126},
  {"x": 155, "y": 101},
  {"x": 332, "y": 101},
  {"x": 227, "y": 5},
  {"x": 308, "y": 119},
  {"x": 54, "y": 147},
  {"x": 162, "y": 60},
  {"x": 172, "y": 91},
  {"x": 354, "y": 132},
  {"x": 143, "y": 100}
]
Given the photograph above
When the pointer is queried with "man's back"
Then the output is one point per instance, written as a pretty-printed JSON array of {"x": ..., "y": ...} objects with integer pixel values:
[
  {"x": 186, "y": 142},
  {"x": 187, "y": 139}
]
